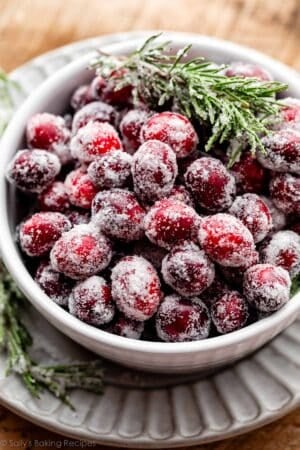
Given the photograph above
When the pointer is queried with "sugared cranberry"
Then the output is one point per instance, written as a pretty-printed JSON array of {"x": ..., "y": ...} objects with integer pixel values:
[
  {"x": 91, "y": 302},
  {"x": 212, "y": 186},
  {"x": 169, "y": 221},
  {"x": 96, "y": 87},
  {"x": 278, "y": 217},
  {"x": 111, "y": 170},
  {"x": 33, "y": 170},
  {"x": 128, "y": 328},
  {"x": 254, "y": 214},
  {"x": 284, "y": 191},
  {"x": 78, "y": 217},
  {"x": 249, "y": 175},
  {"x": 108, "y": 91},
  {"x": 289, "y": 115},
  {"x": 81, "y": 252},
  {"x": 226, "y": 240},
  {"x": 54, "y": 198},
  {"x": 80, "y": 97},
  {"x": 136, "y": 288},
  {"x": 230, "y": 312},
  {"x": 55, "y": 285},
  {"x": 283, "y": 249},
  {"x": 282, "y": 151},
  {"x": 130, "y": 127},
  {"x": 154, "y": 170},
  {"x": 47, "y": 132},
  {"x": 173, "y": 129},
  {"x": 118, "y": 214},
  {"x": 181, "y": 320},
  {"x": 187, "y": 269},
  {"x": 93, "y": 140},
  {"x": 267, "y": 287},
  {"x": 80, "y": 188},
  {"x": 93, "y": 112},
  {"x": 247, "y": 70},
  {"x": 39, "y": 233},
  {"x": 181, "y": 194},
  {"x": 149, "y": 251}
]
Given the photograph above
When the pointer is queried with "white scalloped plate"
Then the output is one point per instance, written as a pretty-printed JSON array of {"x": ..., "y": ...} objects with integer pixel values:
[{"x": 145, "y": 410}]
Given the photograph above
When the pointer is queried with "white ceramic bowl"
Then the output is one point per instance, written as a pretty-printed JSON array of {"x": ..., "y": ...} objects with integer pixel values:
[{"x": 53, "y": 96}]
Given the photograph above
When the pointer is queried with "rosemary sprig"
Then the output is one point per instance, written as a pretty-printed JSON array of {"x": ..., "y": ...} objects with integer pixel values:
[{"x": 234, "y": 107}]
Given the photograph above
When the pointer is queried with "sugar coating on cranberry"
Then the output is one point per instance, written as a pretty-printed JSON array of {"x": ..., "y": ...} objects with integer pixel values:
[
  {"x": 230, "y": 312},
  {"x": 53, "y": 283},
  {"x": 93, "y": 140},
  {"x": 130, "y": 128},
  {"x": 80, "y": 97},
  {"x": 118, "y": 214},
  {"x": 111, "y": 170},
  {"x": 136, "y": 288},
  {"x": 33, "y": 170},
  {"x": 54, "y": 198},
  {"x": 278, "y": 217},
  {"x": 128, "y": 328},
  {"x": 78, "y": 217},
  {"x": 247, "y": 70},
  {"x": 93, "y": 112},
  {"x": 169, "y": 222},
  {"x": 284, "y": 192},
  {"x": 181, "y": 320},
  {"x": 181, "y": 194},
  {"x": 226, "y": 240},
  {"x": 212, "y": 186},
  {"x": 187, "y": 269},
  {"x": 267, "y": 287},
  {"x": 154, "y": 170},
  {"x": 81, "y": 252},
  {"x": 290, "y": 114},
  {"x": 254, "y": 213},
  {"x": 47, "y": 132},
  {"x": 39, "y": 233},
  {"x": 249, "y": 175},
  {"x": 107, "y": 90},
  {"x": 172, "y": 128},
  {"x": 80, "y": 188},
  {"x": 283, "y": 249}
]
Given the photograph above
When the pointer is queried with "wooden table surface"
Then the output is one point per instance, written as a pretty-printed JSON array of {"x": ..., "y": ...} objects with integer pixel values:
[{"x": 31, "y": 27}]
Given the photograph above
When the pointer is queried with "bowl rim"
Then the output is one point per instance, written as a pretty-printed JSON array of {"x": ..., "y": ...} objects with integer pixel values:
[{"x": 56, "y": 314}]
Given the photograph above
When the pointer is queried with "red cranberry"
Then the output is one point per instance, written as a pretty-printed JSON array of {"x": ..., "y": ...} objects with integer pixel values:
[
  {"x": 249, "y": 175},
  {"x": 118, "y": 214},
  {"x": 154, "y": 170},
  {"x": 283, "y": 249},
  {"x": 81, "y": 252},
  {"x": 78, "y": 217},
  {"x": 254, "y": 213},
  {"x": 39, "y": 233},
  {"x": 130, "y": 128},
  {"x": 247, "y": 70},
  {"x": 290, "y": 114},
  {"x": 181, "y": 194},
  {"x": 80, "y": 188},
  {"x": 55, "y": 285},
  {"x": 136, "y": 288},
  {"x": 47, "y": 132},
  {"x": 128, "y": 328},
  {"x": 80, "y": 97},
  {"x": 168, "y": 222},
  {"x": 54, "y": 198},
  {"x": 91, "y": 301},
  {"x": 149, "y": 251},
  {"x": 284, "y": 191},
  {"x": 111, "y": 170},
  {"x": 212, "y": 186},
  {"x": 93, "y": 112},
  {"x": 230, "y": 312},
  {"x": 93, "y": 140},
  {"x": 181, "y": 320},
  {"x": 96, "y": 87},
  {"x": 187, "y": 269},
  {"x": 267, "y": 287},
  {"x": 226, "y": 240},
  {"x": 107, "y": 90},
  {"x": 173, "y": 129},
  {"x": 278, "y": 217},
  {"x": 33, "y": 170}
]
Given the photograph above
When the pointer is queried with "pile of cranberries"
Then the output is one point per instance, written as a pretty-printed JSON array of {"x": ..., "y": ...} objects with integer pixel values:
[{"x": 134, "y": 229}]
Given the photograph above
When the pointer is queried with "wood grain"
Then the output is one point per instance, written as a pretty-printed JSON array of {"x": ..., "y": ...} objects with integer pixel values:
[{"x": 31, "y": 27}]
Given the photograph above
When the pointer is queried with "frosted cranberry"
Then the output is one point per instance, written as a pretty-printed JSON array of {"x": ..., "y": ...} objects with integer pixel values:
[
  {"x": 91, "y": 302},
  {"x": 78, "y": 217},
  {"x": 149, "y": 251},
  {"x": 111, "y": 170},
  {"x": 130, "y": 127},
  {"x": 187, "y": 269},
  {"x": 283, "y": 249},
  {"x": 53, "y": 283},
  {"x": 81, "y": 252},
  {"x": 169, "y": 221},
  {"x": 254, "y": 213},
  {"x": 136, "y": 288},
  {"x": 289, "y": 115},
  {"x": 267, "y": 287},
  {"x": 107, "y": 90},
  {"x": 80, "y": 97},
  {"x": 230, "y": 312},
  {"x": 249, "y": 175},
  {"x": 54, "y": 198},
  {"x": 182, "y": 320},
  {"x": 154, "y": 170},
  {"x": 278, "y": 217},
  {"x": 39, "y": 233},
  {"x": 128, "y": 328},
  {"x": 96, "y": 87},
  {"x": 212, "y": 186},
  {"x": 226, "y": 240},
  {"x": 247, "y": 70},
  {"x": 296, "y": 227},
  {"x": 216, "y": 290},
  {"x": 33, "y": 170},
  {"x": 284, "y": 191},
  {"x": 80, "y": 188},
  {"x": 118, "y": 214},
  {"x": 282, "y": 151},
  {"x": 181, "y": 194},
  {"x": 173, "y": 129},
  {"x": 93, "y": 112},
  {"x": 47, "y": 132}
]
